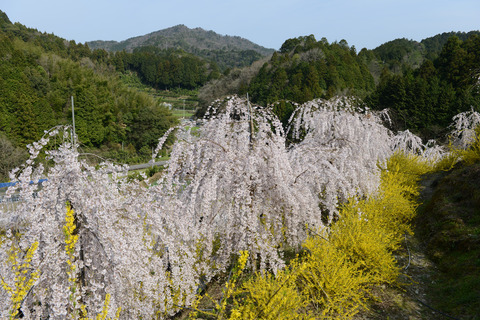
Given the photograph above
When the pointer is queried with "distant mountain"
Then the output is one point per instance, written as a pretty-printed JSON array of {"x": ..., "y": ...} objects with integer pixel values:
[
  {"x": 182, "y": 37},
  {"x": 226, "y": 51}
]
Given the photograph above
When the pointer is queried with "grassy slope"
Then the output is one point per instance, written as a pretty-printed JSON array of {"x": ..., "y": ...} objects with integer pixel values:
[{"x": 449, "y": 227}]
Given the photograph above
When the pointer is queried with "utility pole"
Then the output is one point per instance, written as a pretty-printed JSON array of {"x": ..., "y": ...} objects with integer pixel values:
[
  {"x": 153, "y": 157},
  {"x": 73, "y": 121},
  {"x": 251, "y": 120}
]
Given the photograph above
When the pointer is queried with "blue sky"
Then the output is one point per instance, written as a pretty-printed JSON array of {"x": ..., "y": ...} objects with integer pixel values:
[{"x": 363, "y": 23}]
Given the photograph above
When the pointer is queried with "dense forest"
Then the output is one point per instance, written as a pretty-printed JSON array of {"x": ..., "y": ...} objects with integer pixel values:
[
  {"x": 403, "y": 52},
  {"x": 38, "y": 75},
  {"x": 305, "y": 69},
  {"x": 164, "y": 69}
]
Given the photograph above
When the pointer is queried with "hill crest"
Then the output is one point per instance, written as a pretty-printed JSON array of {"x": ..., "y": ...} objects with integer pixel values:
[{"x": 182, "y": 37}]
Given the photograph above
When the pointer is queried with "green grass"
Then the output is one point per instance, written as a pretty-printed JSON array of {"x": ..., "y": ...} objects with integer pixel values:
[{"x": 182, "y": 114}]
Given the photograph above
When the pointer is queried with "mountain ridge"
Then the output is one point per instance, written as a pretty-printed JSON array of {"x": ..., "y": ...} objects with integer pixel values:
[{"x": 180, "y": 36}]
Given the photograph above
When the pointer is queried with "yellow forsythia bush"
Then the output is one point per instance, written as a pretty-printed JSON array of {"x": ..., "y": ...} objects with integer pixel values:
[
  {"x": 71, "y": 239},
  {"x": 334, "y": 284},
  {"x": 266, "y": 296},
  {"x": 369, "y": 230},
  {"x": 396, "y": 200},
  {"x": 25, "y": 277},
  {"x": 366, "y": 242},
  {"x": 333, "y": 280}
]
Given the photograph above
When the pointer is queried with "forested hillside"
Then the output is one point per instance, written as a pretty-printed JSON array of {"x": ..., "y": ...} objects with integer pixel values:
[
  {"x": 38, "y": 74},
  {"x": 225, "y": 51},
  {"x": 426, "y": 98},
  {"x": 398, "y": 54},
  {"x": 424, "y": 84},
  {"x": 165, "y": 69},
  {"x": 305, "y": 69}
]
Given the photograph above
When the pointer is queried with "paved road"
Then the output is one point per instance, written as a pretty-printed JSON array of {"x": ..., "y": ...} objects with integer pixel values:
[
  {"x": 146, "y": 165},
  {"x": 15, "y": 197}
]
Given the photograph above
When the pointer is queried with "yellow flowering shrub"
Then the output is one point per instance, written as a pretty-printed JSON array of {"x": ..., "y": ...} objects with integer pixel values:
[
  {"x": 369, "y": 230},
  {"x": 366, "y": 243},
  {"x": 25, "y": 276},
  {"x": 71, "y": 238},
  {"x": 333, "y": 283},
  {"x": 407, "y": 169},
  {"x": 268, "y": 296}
]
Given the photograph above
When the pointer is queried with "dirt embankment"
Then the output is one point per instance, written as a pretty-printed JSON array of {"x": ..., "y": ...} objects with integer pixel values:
[
  {"x": 441, "y": 261},
  {"x": 448, "y": 226}
]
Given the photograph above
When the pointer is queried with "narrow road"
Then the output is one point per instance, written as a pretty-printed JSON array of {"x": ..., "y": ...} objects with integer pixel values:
[{"x": 146, "y": 165}]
